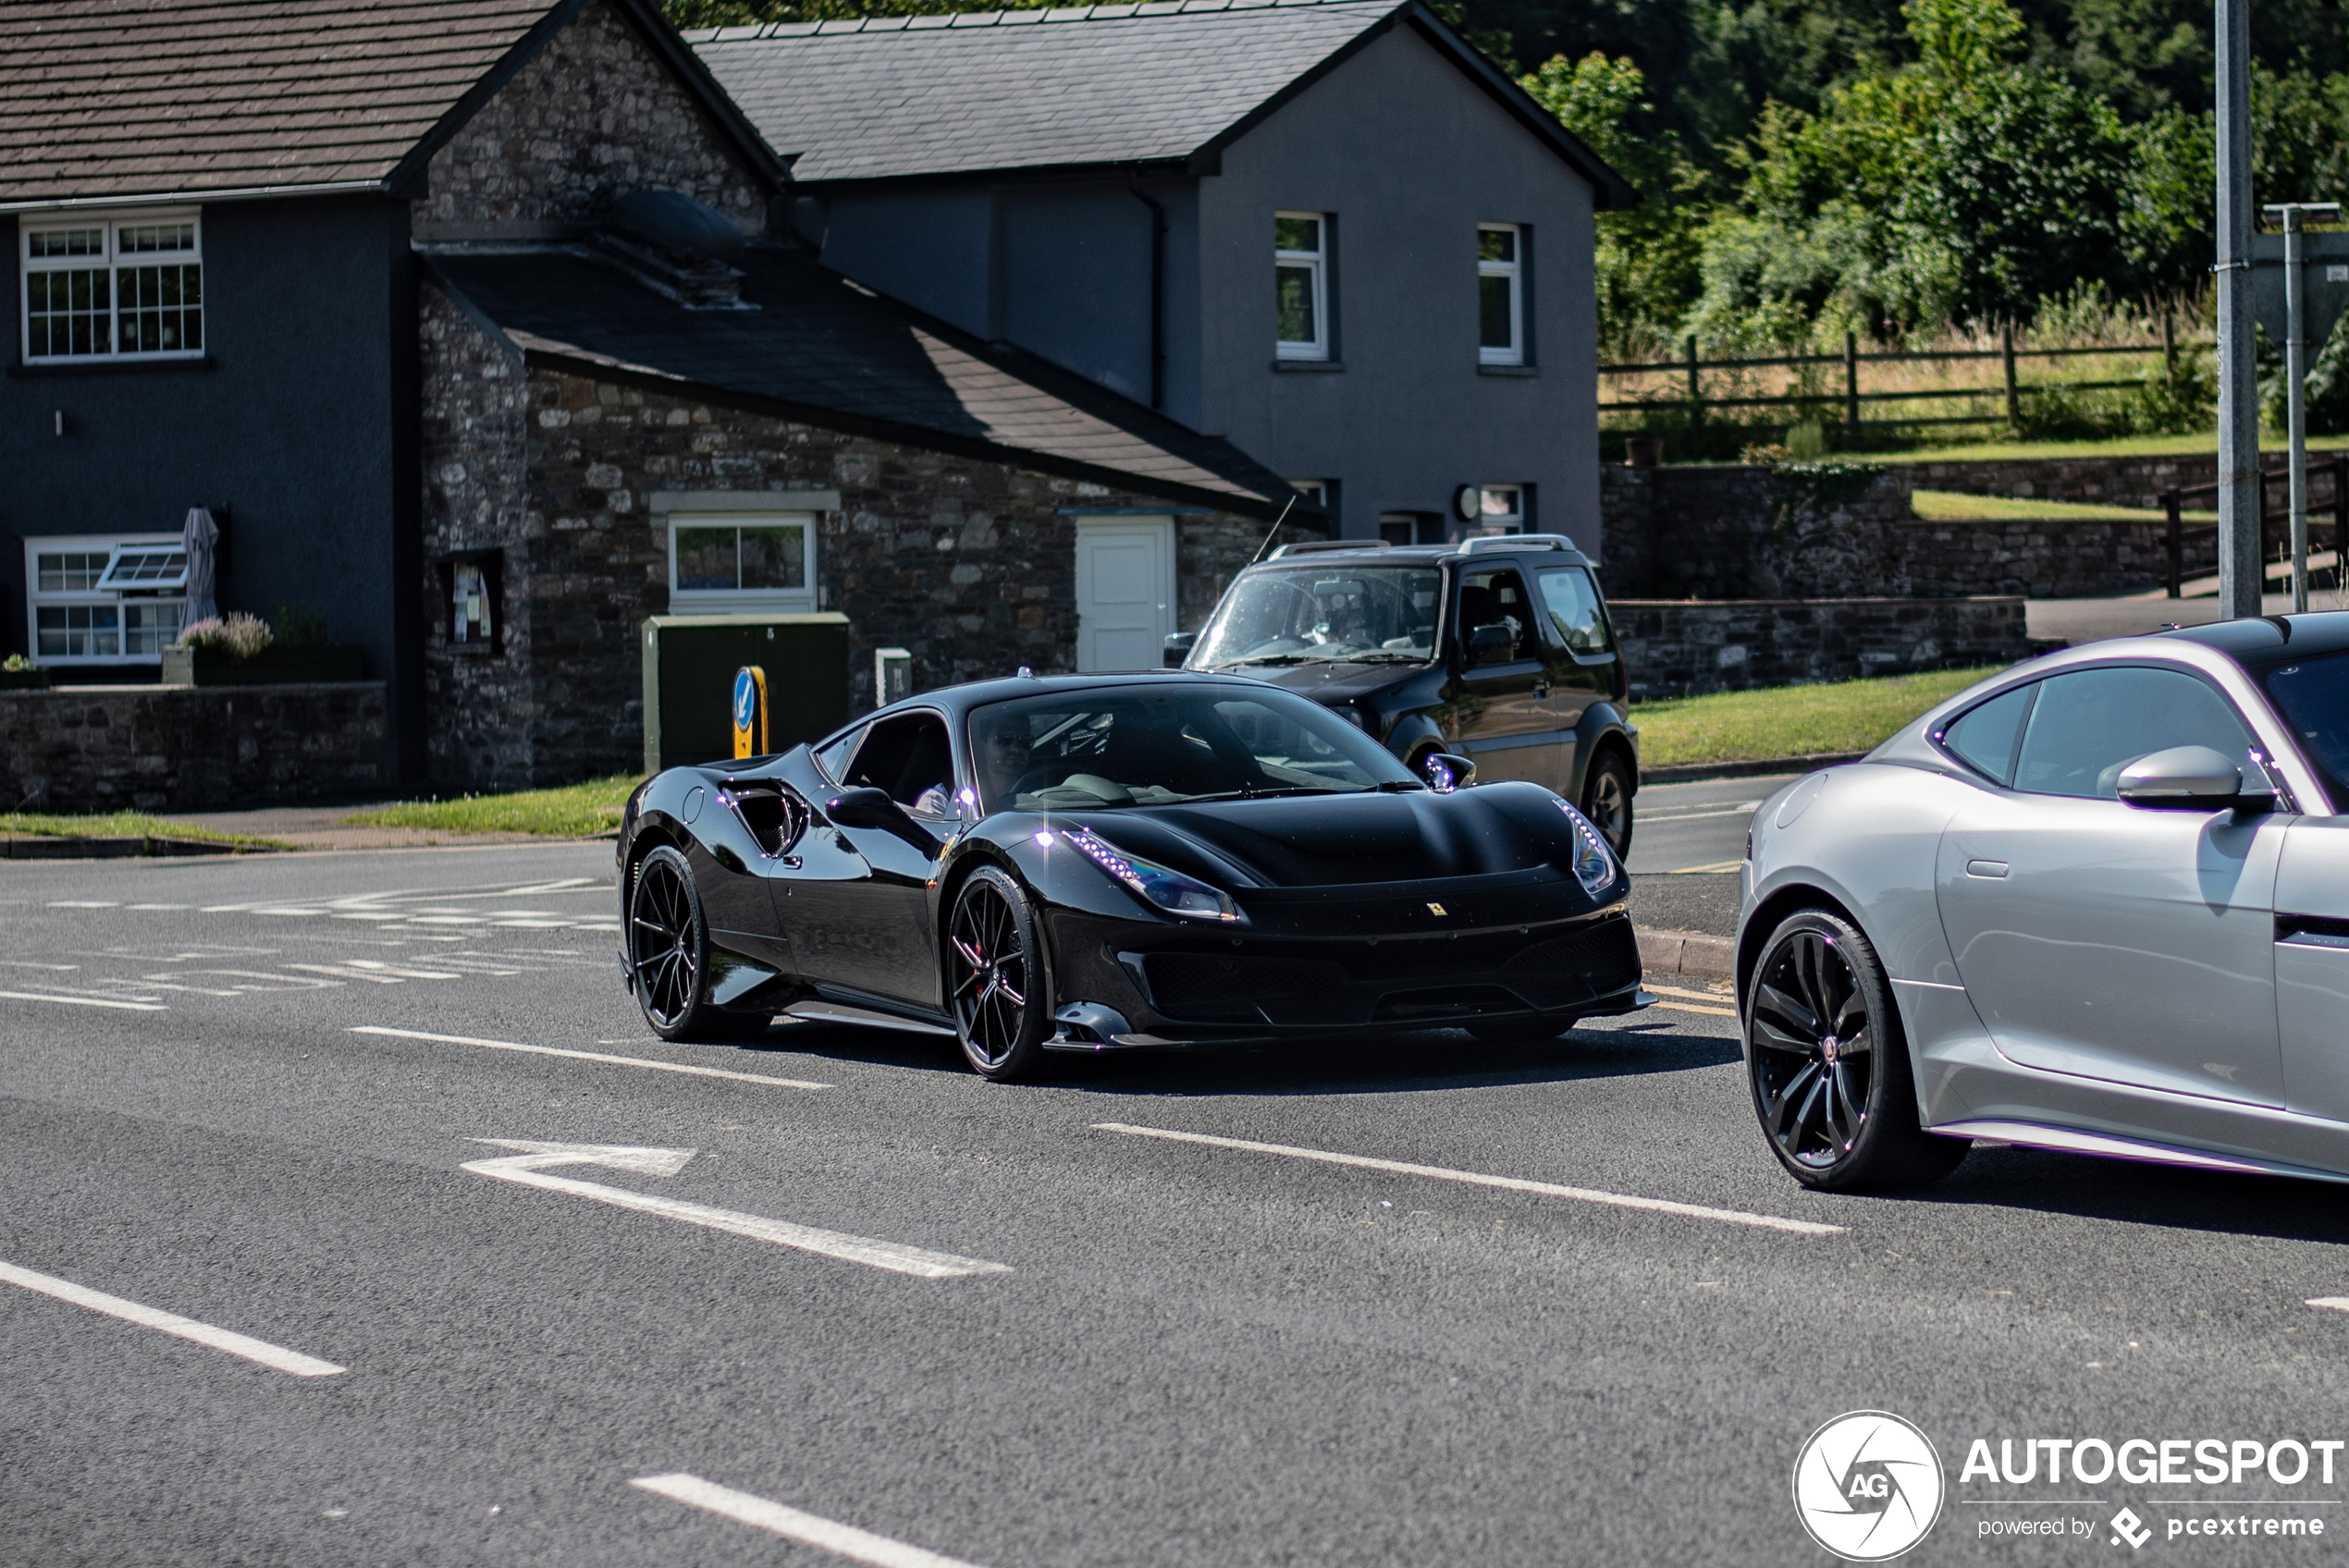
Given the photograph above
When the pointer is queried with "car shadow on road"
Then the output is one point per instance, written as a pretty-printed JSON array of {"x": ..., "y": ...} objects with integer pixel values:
[{"x": 2089, "y": 1187}]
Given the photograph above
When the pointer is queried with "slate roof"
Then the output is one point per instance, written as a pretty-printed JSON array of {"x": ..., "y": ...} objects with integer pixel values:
[
  {"x": 130, "y": 99},
  {"x": 891, "y": 97},
  {"x": 830, "y": 352}
]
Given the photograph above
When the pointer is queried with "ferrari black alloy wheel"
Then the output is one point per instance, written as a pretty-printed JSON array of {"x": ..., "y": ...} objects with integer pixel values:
[
  {"x": 997, "y": 981},
  {"x": 1828, "y": 1066},
  {"x": 1606, "y": 801},
  {"x": 669, "y": 955}
]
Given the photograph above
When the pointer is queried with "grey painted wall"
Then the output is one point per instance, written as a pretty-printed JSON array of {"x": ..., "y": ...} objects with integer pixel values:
[
  {"x": 1409, "y": 155},
  {"x": 304, "y": 425}
]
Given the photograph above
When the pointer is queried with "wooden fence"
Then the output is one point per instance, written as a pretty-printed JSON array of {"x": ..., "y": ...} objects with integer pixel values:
[
  {"x": 2275, "y": 522},
  {"x": 1695, "y": 401}
]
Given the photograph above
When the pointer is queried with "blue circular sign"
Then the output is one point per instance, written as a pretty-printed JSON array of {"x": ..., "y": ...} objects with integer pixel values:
[{"x": 746, "y": 699}]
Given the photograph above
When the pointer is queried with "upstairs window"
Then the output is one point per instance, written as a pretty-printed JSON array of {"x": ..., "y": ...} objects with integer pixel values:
[
  {"x": 1300, "y": 274},
  {"x": 1500, "y": 294},
  {"x": 100, "y": 289}
]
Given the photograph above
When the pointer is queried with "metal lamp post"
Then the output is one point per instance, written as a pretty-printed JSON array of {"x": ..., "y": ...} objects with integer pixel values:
[
  {"x": 2241, "y": 570},
  {"x": 2306, "y": 317}
]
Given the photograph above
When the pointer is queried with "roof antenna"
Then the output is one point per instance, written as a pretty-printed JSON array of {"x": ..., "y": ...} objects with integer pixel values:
[{"x": 1275, "y": 529}]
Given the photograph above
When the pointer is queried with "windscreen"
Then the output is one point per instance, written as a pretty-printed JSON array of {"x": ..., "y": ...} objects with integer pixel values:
[
  {"x": 1320, "y": 611},
  {"x": 1165, "y": 745},
  {"x": 2313, "y": 696}
]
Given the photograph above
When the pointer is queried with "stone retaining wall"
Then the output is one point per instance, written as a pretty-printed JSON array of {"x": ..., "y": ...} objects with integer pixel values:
[
  {"x": 2111, "y": 481},
  {"x": 2045, "y": 560},
  {"x": 192, "y": 748},
  {"x": 1678, "y": 646}
]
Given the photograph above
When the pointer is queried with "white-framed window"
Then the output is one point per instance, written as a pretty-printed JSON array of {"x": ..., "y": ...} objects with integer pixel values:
[
  {"x": 725, "y": 562},
  {"x": 1315, "y": 492},
  {"x": 1500, "y": 294},
  {"x": 1301, "y": 285},
  {"x": 98, "y": 598},
  {"x": 1501, "y": 506},
  {"x": 112, "y": 286}
]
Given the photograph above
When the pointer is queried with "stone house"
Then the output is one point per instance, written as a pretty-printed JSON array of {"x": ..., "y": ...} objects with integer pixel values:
[{"x": 360, "y": 281}]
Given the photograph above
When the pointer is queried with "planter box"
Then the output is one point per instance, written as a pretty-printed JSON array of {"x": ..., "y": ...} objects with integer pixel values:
[
  {"x": 23, "y": 680},
  {"x": 274, "y": 666}
]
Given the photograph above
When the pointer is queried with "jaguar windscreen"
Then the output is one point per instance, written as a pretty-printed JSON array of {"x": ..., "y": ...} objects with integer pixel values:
[
  {"x": 1319, "y": 612},
  {"x": 1152, "y": 745}
]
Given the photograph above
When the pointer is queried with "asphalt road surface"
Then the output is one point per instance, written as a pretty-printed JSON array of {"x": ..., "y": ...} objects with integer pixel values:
[
  {"x": 1058, "y": 1325},
  {"x": 1686, "y": 842}
]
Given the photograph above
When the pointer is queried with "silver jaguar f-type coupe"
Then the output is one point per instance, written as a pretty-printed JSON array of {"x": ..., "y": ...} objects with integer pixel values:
[{"x": 2098, "y": 903}]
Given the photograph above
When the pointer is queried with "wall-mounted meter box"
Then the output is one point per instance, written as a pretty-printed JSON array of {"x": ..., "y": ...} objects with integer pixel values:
[
  {"x": 892, "y": 676},
  {"x": 690, "y": 664}
]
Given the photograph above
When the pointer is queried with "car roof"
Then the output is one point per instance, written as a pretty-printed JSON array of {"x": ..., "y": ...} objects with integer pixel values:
[
  {"x": 1552, "y": 549},
  {"x": 2260, "y": 643}
]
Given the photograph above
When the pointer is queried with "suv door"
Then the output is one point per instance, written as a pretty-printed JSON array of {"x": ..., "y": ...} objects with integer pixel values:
[
  {"x": 1582, "y": 658},
  {"x": 1499, "y": 714},
  {"x": 2101, "y": 938}
]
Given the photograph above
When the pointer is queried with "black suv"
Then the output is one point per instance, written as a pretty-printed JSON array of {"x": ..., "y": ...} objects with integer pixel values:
[{"x": 1499, "y": 650}]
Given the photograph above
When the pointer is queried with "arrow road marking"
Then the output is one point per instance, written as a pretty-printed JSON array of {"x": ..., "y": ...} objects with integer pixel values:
[
  {"x": 274, "y": 1357},
  {"x": 586, "y": 1056},
  {"x": 1506, "y": 1183},
  {"x": 529, "y": 1168},
  {"x": 84, "y": 1001},
  {"x": 845, "y": 1540}
]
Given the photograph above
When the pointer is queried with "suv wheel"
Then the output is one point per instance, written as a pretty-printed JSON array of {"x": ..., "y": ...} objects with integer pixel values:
[{"x": 1606, "y": 800}]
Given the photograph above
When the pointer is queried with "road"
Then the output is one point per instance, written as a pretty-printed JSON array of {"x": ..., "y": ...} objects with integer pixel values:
[
  {"x": 1686, "y": 842},
  {"x": 1007, "y": 1325}
]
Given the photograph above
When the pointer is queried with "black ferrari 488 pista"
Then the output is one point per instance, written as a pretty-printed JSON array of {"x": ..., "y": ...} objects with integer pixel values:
[{"x": 1101, "y": 863}]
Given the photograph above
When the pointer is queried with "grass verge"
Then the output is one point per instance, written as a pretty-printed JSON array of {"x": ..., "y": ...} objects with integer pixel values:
[
  {"x": 1952, "y": 505},
  {"x": 124, "y": 825},
  {"x": 1786, "y": 721},
  {"x": 576, "y": 810}
]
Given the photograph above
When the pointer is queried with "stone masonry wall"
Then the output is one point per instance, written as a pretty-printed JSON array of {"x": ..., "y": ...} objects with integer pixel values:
[
  {"x": 968, "y": 563},
  {"x": 193, "y": 748},
  {"x": 2113, "y": 482},
  {"x": 1724, "y": 530},
  {"x": 1675, "y": 647},
  {"x": 593, "y": 115},
  {"x": 2045, "y": 560}
]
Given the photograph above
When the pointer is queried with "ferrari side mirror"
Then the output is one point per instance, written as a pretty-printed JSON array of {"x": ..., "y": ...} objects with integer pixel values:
[
  {"x": 1447, "y": 773},
  {"x": 872, "y": 808}
]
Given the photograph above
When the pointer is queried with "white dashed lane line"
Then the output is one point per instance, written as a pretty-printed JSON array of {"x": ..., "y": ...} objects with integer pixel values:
[
  {"x": 276, "y": 1357},
  {"x": 592, "y": 1056},
  {"x": 1476, "y": 1179},
  {"x": 808, "y": 1529}
]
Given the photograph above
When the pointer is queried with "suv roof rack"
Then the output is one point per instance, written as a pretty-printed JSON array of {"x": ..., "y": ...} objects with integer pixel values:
[
  {"x": 1309, "y": 546},
  {"x": 1515, "y": 541}
]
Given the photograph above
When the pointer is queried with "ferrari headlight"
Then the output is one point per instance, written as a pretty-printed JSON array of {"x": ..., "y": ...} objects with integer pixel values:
[
  {"x": 1593, "y": 861},
  {"x": 1154, "y": 884}
]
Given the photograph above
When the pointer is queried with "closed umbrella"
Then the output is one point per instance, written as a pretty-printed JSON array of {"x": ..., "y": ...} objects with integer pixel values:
[{"x": 202, "y": 537}]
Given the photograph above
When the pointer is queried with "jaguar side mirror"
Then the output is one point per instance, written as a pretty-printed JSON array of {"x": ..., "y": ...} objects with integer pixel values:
[
  {"x": 1447, "y": 773},
  {"x": 1490, "y": 644},
  {"x": 872, "y": 808},
  {"x": 2191, "y": 778},
  {"x": 1178, "y": 647}
]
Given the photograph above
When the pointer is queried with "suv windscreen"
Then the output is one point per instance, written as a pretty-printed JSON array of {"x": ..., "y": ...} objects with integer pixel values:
[{"x": 1325, "y": 611}]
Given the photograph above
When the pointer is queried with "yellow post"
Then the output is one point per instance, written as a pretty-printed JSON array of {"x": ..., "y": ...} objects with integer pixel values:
[{"x": 750, "y": 712}]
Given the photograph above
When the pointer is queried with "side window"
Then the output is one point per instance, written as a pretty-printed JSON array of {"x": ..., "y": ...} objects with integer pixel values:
[
  {"x": 1572, "y": 601},
  {"x": 1302, "y": 281},
  {"x": 1497, "y": 596},
  {"x": 1984, "y": 738},
  {"x": 909, "y": 759},
  {"x": 1500, "y": 294},
  {"x": 2090, "y": 724},
  {"x": 833, "y": 755}
]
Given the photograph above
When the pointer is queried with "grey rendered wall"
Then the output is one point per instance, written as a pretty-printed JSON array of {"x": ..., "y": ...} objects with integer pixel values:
[
  {"x": 927, "y": 246},
  {"x": 303, "y": 424},
  {"x": 1410, "y": 155}
]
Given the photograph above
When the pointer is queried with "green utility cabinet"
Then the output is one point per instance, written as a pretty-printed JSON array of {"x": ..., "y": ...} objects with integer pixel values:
[{"x": 690, "y": 662}]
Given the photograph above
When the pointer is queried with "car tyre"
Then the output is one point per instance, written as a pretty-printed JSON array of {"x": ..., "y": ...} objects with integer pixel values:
[
  {"x": 669, "y": 955},
  {"x": 1828, "y": 1066},
  {"x": 1606, "y": 800},
  {"x": 997, "y": 977}
]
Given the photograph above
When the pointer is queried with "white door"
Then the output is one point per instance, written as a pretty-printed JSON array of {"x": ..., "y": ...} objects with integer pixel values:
[{"x": 1124, "y": 591}]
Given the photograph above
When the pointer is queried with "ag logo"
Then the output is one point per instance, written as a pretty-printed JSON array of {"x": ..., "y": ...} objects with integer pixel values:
[{"x": 1867, "y": 1486}]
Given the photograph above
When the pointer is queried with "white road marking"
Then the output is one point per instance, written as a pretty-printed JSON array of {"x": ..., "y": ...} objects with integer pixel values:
[
  {"x": 1650, "y": 819},
  {"x": 342, "y": 974},
  {"x": 1695, "y": 870},
  {"x": 592, "y": 1056},
  {"x": 528, "y": 1168},
  {"x": 83, "y": 903},
  {"x": 85, "y": 1001},
  {"x": 1506, "y": 1183},
  {"x": 261, "y": 1351},
  {"x": 809, "y": 1529},
  {"x": 2336, "y": 1304}
]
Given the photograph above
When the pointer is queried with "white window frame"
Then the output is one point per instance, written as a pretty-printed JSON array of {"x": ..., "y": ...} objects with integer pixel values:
[
  {"x": 115, "y": 263},
  {"x": 1513, "y": 270},
  {"x": 731, "y": 601},
  {"x": 112, "y": 546},
  {"x": 1500, "y": 507},
  {"x": 1314, "y": 490},
  {"x": 1318, "y": 263}
]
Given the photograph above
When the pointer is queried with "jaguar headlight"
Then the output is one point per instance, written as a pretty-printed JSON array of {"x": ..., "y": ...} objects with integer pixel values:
[
  {"x": 1152, "y": 883},
  {"x": 1595, "y": 864}
]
